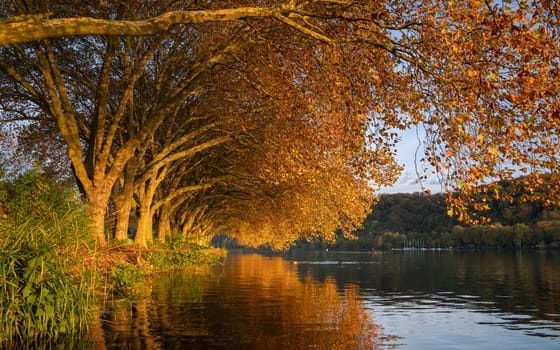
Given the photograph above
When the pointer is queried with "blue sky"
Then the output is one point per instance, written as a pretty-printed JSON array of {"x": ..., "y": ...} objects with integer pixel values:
[{"x": 407, "y": 183}]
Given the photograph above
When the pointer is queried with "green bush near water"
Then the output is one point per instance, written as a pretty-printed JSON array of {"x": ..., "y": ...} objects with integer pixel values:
[
  {"x": 41, "y": 229},
  {"x": 124, "y": 280},
  {"x": 178, "y": 252}
]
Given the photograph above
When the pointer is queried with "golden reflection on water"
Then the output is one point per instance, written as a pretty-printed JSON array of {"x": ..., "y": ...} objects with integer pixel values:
[{"x": 251, "y": 302}]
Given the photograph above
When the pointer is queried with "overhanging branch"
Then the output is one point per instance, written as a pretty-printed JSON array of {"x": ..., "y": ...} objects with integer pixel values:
[{"x": 21, "y": 29}]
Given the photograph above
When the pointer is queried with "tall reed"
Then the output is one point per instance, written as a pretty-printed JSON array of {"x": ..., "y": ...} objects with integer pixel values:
[{"x": 41, "y": 234}]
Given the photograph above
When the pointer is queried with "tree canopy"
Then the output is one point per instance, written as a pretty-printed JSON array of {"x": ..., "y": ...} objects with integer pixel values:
[{"x": 274, "y": 120}]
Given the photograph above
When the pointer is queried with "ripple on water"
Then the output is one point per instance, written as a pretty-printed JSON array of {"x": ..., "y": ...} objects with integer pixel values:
[{"x": 334, "y": 262}]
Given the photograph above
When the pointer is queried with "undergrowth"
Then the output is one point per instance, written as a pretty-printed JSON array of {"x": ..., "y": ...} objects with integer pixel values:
[
  {"x": 177, "y": 252},
  {"x": 40, "y": 301}
]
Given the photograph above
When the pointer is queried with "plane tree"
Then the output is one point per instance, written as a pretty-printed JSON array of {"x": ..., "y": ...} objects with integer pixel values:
[
  {"x": 171, "y": 162},
  {"x": 88, "y": 86},
  {"x": 494, "y": 100},
  {"x": 479, "y": 76}
]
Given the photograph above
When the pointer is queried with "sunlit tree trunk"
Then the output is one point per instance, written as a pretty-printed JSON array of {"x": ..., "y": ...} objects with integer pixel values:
[
  {"x": 205, "y": 235},
  {"x": 96, "y": 163},
  {"x": 123, "y": 200},
  {"x": 189, "y": 219},
  {"x": 123, "y": 204},
  {"x": 146, "y": 191},
  {"x": 144, "y": 231},
  {"x": 97, "y": 208},
  {"x": 164, "y": 222}
]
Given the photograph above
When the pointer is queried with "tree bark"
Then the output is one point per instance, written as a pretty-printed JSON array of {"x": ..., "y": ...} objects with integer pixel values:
[
  {"x": 38, "y": 27},
  {"x": 123, "y": 206},
  {"x": 145, "y": 228},
  {"x": 164, "y": 223},
  {"x": 97, "y": 208},
  {"x": 144, "y": 231},
  {"x": 123, "y": 201}
]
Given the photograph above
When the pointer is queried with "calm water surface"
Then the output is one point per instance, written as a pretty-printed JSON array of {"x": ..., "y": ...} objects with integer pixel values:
[{"x": 341, "y": 300}]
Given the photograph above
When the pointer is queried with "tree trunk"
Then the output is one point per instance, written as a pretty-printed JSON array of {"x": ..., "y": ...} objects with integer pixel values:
[
  {"x": 204, "y": 237},
  {"x": 123, "y": 219},
  {"x": 164, "y": 223},
  {"x": 189, "y": 223},
  {"x": 144, "y": 231},
  {"x": 188, "y": 227},
  {"x": 97, "y": 208},
  {"x": 123, "y": 203}
]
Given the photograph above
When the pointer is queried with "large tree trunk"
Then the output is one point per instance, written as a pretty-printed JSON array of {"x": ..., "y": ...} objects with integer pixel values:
[
  {"x": 164, "y": 223},
  {"x": 97, "y": 209},
  {"x": 204, "y": 237},
  {"x": 189, "y": 223},
  {"x": 187, "y": 229},
  {"x": 144, "y": 230},
  {"x": 123, "y": 207},
  {"x": 123, "y": 203}
]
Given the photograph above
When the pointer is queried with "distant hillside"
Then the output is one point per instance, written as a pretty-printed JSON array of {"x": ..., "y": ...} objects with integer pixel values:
[
  {"x": 420, "y": 220},
  {"x": 410, "y": 213}
]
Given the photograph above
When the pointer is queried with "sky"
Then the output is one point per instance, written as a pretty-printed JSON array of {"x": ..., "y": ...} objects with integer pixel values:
[{"x": 408, "y": 183}]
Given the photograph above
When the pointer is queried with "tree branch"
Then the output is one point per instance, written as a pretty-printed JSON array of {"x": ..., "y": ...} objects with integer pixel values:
[{"x": 31, "y": 28}]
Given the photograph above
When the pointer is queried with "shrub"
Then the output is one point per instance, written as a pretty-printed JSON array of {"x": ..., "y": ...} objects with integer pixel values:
[
  {"x": 178, "y": 252},
  {"x": 124, "y": 280}
]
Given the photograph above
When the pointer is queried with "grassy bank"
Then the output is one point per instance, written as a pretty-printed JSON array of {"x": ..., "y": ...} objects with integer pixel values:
[
  {"x": 51, "y": 275},
  {"x": 121, "y": 270}
]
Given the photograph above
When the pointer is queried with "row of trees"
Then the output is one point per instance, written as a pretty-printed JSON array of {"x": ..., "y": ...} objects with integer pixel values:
[
  {"x": 278, "y": 120},
  {"x": 205, "y": 128}
]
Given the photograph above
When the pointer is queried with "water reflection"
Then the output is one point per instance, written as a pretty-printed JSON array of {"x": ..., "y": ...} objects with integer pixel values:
[
  {"x": 431, "y": 300},
  {"x": 450, "y": 299},
  {"x": 250, "y": 302}
]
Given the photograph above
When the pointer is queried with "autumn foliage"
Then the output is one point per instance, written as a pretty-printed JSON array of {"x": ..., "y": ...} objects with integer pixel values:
[{"x": 279, "y": 119}]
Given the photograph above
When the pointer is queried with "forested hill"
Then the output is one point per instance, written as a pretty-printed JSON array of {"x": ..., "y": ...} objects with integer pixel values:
[
  {"x": 409, "y": 212},
  {"x": 420, "y": 220}
]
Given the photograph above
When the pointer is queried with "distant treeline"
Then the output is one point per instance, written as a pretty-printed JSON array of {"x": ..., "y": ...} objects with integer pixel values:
[{"x": 418, "y": 220}]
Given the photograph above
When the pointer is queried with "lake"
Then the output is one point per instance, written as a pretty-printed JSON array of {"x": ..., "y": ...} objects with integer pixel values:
[{"x": 413, "y": 299}]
